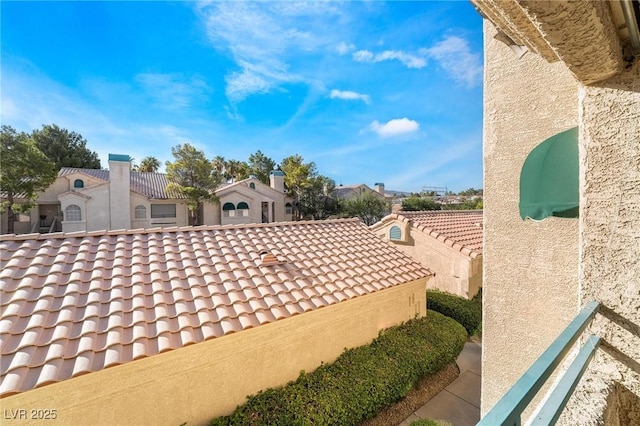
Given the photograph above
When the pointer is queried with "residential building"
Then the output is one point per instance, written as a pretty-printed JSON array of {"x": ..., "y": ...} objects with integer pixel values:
[
  {"x": 448, "y": 242},
  {"x": 179, "y": 325},
  {"x": 570, "y": 71},
  {"x": 118, "y": 198}
]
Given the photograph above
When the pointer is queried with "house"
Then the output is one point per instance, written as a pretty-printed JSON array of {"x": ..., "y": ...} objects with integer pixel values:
[
  {"x": 118, "y": 198},
  {"x": 562, "y": 74},
  {"x": 348, "y": 192},
  {"x": 179, "y": 325},
  {"x": 448, "y": 242}
]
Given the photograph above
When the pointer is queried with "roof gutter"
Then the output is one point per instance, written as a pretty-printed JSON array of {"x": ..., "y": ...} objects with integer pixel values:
[{"x": 631, "y": 22}]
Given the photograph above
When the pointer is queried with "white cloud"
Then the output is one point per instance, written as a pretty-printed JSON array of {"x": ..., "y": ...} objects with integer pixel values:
[
  {"x": 395, "y": 127},
  {"x": 455, "y": 57},
  {"x": 343, "y": 48},
  {"x": 407, "y": 59},
  {"x": 261, "y": 38},
  {"x": 349, "y": 96},
  {"x": 173, "y": 90}
]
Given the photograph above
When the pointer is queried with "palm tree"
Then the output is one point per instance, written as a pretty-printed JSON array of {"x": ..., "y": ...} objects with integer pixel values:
[
  {"x": 218, "y": 164},
  {"x": 149, "y": 164}
]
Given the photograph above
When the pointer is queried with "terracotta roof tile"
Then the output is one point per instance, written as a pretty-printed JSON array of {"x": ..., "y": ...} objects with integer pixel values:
[
  {"x": 460, "y": 229},
  {"x": 78, "y": 303}
]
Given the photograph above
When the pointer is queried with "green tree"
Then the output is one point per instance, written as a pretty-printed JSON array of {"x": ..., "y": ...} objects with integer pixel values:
[
  {"x": 236, "y": 170},
  {"x": 319, "y": 200},
  {"x": 298, "y": 176},
  {"x": 24, "y": 171},
  {"x": 417, "y": 203},
  {"x": 65, "y": 148},
  {"x": 261, "y": 166},
  {"x": 148, "y": 164},
  {"x": 218, "y": 164},
  {"x": 368, "y": 207},
  {"x": 191, "y": 175}
]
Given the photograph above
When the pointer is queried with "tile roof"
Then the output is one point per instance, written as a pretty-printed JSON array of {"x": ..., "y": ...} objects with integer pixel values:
[
  {"x": 79, "y": 302},
  {"x": 151, "y": 185},
  {"x": 461, "y": 229}
]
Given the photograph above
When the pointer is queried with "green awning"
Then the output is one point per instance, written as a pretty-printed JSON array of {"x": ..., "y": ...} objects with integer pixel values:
[{"x": 549, "y": 178}]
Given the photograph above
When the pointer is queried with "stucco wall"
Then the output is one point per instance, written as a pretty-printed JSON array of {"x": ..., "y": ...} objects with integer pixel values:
[
  {"x": 610, "y": 233},
  {"x": 199, "y": 382},
  {"x": 530, "y": 283},
  {"x": 455, "y": 272}
]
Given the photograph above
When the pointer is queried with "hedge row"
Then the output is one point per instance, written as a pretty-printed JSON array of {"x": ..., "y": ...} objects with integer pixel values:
[
  {"x": 466, "y": 312},
  {"x": 362, "y": 381}
]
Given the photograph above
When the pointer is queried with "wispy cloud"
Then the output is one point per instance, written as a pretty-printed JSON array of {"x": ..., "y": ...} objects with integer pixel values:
[
  {"x": 455, "y": 56},
  {"x": 174, "y": 90},
  {"x": 395, "y": 127},
  {"x": 349, "y": 96},
  {"x": 343, "y": 48},
  {"x": 260, "y": 38},
  {"x": 407, "y": 59}
]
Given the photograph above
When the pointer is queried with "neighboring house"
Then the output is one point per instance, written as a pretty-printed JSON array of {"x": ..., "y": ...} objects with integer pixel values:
[
  {"x": 562, "y": 71},
  {"x": 179, "y": 325},
  {"x": 448, "y": 242},
  {"x": 118, "y": 198},
  {"x": 348, "y": 192}
]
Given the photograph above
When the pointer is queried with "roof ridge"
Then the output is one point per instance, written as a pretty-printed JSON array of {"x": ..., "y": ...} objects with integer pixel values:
[{"x": 112, "y": 232}]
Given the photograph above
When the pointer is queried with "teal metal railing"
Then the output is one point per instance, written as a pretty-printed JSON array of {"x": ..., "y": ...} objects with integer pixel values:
[{"x": 508, "y": 410}]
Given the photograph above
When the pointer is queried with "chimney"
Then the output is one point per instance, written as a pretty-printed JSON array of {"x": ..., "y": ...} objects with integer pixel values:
[
  {"x": 119, "y": 191},
  {"x": 276, "y": 180},
  {"x": 379, "y": 187}
]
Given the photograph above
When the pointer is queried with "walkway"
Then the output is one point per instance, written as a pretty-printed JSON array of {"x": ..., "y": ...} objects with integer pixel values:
[{"x": 458, "y": 403}]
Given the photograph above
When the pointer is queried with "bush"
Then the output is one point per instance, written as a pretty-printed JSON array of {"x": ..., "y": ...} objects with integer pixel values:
[
  {"x": 362, "y": 381},
  {"x": 466, "y": 312},
  {"x": 429, "y": 422}
]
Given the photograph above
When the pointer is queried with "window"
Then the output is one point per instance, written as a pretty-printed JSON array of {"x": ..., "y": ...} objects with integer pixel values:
[
  {"x": 252, "y": 185},
  {"x": 140, "y": 212},
  {"x": 228, "y": 210},
  {"x": 395, "y": 233},
  {"x": 243, "y": 209},
  {"x": 288, "y": 208},
  {"x": 72, "y": 213},
  {"x": 78, "y": 183},
  {"x": 163, "y": 210}
]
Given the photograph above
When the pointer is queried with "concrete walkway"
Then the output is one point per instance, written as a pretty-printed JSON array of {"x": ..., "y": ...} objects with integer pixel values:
[{"x": 458, "y": 403}]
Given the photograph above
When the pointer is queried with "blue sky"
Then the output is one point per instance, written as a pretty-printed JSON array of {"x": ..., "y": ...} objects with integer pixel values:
[{"x": 370, "y": 91}]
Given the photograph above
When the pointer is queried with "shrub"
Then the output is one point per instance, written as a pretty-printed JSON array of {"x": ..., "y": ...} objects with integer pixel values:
[
  {"x": 466, "y": 312},
  {"x": 429, "y": 422},
  {"x": 362, "y": 381}
]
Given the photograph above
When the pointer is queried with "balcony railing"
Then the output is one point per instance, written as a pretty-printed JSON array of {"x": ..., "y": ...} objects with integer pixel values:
[{"x": 509, "y": 408}]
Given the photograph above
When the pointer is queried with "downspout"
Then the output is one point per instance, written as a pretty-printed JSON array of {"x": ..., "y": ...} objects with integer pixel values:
[{"x": 632, "y": 25}]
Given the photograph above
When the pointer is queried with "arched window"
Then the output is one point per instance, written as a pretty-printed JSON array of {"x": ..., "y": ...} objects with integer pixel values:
[
  {"x": 288, "y": 208},
  {"x": 140, "y": 212},
  {"x": 72, "y": 213},
  {"x": 228, "y": 210},
  {"x": 243, "y": 209},
  {"x": 395, "y": 233},
  {"x": 78, "y": 183},
  {"x": 252, "y": 186}
]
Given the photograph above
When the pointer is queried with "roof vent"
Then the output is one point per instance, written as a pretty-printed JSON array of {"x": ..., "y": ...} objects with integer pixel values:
[{"x": 268, "y": 259}]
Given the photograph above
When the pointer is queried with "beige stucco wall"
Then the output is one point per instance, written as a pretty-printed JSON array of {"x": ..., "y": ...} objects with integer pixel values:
[
  {"x": 199, "y": 382},
  {"x": 609, "y": 234},
  {"x": 455, "y": 272},
  {"x": 530, "y": 283}
]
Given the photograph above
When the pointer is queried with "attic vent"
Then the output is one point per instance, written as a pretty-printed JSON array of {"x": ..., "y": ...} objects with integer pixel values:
[{"x": 267, "y": 259}]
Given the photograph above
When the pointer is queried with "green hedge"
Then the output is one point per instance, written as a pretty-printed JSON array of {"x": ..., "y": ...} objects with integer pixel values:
[
  {"x": 362, "y": 381},
  {"x": 466, "y": 312}
]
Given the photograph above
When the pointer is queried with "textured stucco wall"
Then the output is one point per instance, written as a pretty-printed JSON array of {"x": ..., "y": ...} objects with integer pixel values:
[
  {"x": 610, "y": 234},
  {"x": 455, "y": 272},
  {"x": 205, "y": 380},
  {"x": 530, "y": 283}
]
